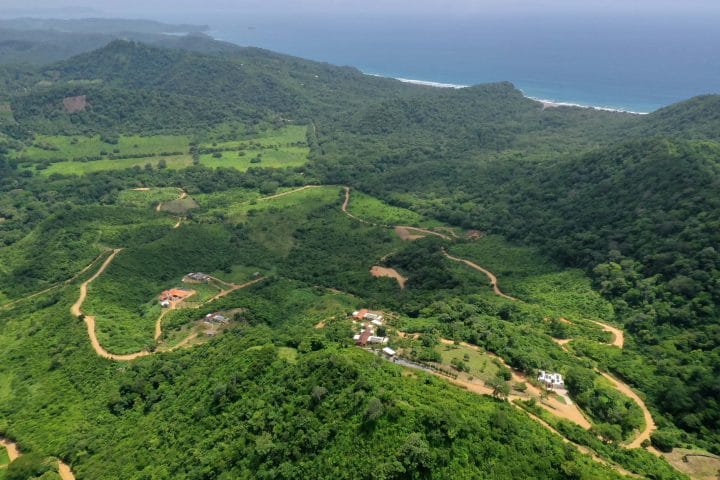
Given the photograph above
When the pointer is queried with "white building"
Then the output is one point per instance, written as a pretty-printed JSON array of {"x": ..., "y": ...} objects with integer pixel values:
[
  {"x": 388, "y": 351},
  {"x": 374, "y": 339},
  {"x": 551, "y": 379}
]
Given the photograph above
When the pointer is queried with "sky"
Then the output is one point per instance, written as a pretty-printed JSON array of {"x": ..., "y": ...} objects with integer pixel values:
[{"x": 186, "y": 9}]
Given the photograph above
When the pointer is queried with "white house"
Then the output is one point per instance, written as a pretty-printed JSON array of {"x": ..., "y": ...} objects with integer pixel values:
[
  {"x": 388, "y": 351},
  {"x": 551, "y": 379},
  {"x": 375, "y": 339},
  {"x": 377, "y": 322}
]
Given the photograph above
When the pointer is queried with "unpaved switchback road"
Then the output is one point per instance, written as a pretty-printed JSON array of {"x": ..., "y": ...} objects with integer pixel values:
[
  {"x": 649, "y": 422},
  {"x": 14, "y": 452},
  {"x": 76, "y": 310},
  {"x": 406, "y": 228},
  {"x": 488, "y": 273}
]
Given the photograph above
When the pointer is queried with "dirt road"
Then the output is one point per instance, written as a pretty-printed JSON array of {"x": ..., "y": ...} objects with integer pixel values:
[
  {"x": 556, "y": 407},
  {"x": 378, "y": 271},
  {"x": 278, "y": 195},
  {"x": 649, "y": 422},
  {"x": 618, "y": 335},
  {"x": 488, "y": 273},
  {"x": 14, "y": 452},
  {"x": 76, "y": 310},
  {"x": 403, "y": 231}
]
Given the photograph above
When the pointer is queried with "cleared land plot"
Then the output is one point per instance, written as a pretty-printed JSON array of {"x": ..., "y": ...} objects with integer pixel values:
[
  {"x": 374, "y": 210},
  {"x": 179, "y": 206},
  {"x": 283, "y": 157},
  {"x": 147, "y": 198},
  {"x": 80, "y": 168},
  {"x": 482, "y": 365},
  {"x": 697, "y": 464},
  {"x": 282, "y": 148},
  {"x": 290, "y": 134},
  {"x": 77, "y": 147}
]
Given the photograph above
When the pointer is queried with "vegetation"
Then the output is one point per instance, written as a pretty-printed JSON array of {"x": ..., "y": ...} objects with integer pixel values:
[{"x": 582, "y": 215}]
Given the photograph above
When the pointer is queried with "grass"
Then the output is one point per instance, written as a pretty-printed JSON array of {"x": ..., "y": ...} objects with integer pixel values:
[
  {"x": 76, "y": 147},
  {"x": 269, "y": 138},
  {"x": 81, "y": 168},
  {"x": 282, "y": 157},
  {"x": 481, "y": 364},
  {"x": 281, "y": 148},
  {"x": 374, "y": 210},
  {"x": 147, "y": 198},
  {"x": 4, "y": 458},
  {"x": 287, "y": 353}
]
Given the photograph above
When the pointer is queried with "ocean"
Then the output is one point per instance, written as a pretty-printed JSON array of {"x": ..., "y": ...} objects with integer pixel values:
[{"x": 636, "y": 64}]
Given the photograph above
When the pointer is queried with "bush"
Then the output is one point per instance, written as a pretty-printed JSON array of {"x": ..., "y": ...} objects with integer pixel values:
[
  {"x": 664, "y": 441},
  {"x": 27, "y": 466}
]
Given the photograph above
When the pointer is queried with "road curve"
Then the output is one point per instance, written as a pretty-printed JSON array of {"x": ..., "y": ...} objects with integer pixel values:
[
  {"x": 649, "y": 422},
  {"x": 76, "y": 310},
  {"x": 488, "y": 273},
  {"x": 14, "y": 452},
  {"x": 414, "y": 229}
]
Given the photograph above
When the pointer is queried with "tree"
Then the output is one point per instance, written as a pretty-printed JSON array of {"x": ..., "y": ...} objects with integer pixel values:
[
  {"x": 500, "y": 388},
  {"x": 27, "y": 466}
]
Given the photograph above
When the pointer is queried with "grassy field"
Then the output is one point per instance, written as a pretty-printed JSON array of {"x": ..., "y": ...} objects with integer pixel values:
[
  {"x": 285, "y": 147},
  {"x": 290, "y": 134},
  {"x": 282, "y": 157},
  {"x": 4, "y": 459},
  {"x": 481, "y": 364},
  {"x": 239, "y": 204},
  {"x": 288, "y": 353},
  {"x": 524, "y": 273},
  {"x": 147, "y": 198},
  {"x": 81, "y": 168},
  {"x": 76, "y": 147},
  {"x": 374, "y": 210}
]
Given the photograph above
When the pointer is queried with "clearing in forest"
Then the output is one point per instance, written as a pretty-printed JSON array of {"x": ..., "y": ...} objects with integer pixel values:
[{"x": 281, "y": 148}]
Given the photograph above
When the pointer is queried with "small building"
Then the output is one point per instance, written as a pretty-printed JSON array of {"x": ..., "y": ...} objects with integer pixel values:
[
  {"x": 175, "y": 295},
  {"x": 389, "y": 352},
  {"x": 375, "y": 339},
  {"x": 360, "y": 314},
  {"x": 363, "y": 338},
  {"x": 197, "y": 277},
  {"x": 216, "y": 318},
  {"x": 374, "y": 317},
  {"x": 377, "y": 323},
  {"x": 164, "y": 303},
  {"x": 551, "y": 380}
]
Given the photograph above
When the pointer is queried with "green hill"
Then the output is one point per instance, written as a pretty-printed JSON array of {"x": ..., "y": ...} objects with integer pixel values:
[{"x": 232, "y": 161}]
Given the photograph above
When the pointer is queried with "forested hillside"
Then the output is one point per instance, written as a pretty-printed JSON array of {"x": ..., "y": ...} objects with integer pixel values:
[{"x": 506, "y": 233}]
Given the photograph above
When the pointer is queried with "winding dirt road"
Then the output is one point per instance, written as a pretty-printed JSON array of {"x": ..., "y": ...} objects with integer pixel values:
[
  {"x": 14, "y": 452},
  {"x": 401, "y": 228},
  {"x": 618, "y": 335},
  {"x": 649, "y": 422},
  {"x": 76, "y": 310},
  {"x": 488, "y": 273}
]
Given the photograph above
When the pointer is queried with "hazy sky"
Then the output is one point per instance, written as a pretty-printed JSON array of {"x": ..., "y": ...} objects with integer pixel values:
[{"x": 188, "y": 8}]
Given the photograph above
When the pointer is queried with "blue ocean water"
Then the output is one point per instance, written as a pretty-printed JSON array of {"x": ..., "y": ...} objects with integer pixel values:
[{"x": 636, "y": 64}]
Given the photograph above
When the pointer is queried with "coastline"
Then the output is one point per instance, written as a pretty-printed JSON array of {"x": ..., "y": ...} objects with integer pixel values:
[{"x": 545, "y": 102}]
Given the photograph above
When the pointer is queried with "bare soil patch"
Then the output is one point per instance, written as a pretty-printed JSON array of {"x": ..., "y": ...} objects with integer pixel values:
[
  {"x": 75, "y": 104},
  {"x": 404, "y": 234},
  {"x": 378, "y": 271},
  {"x": 698, "y": 465}
]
